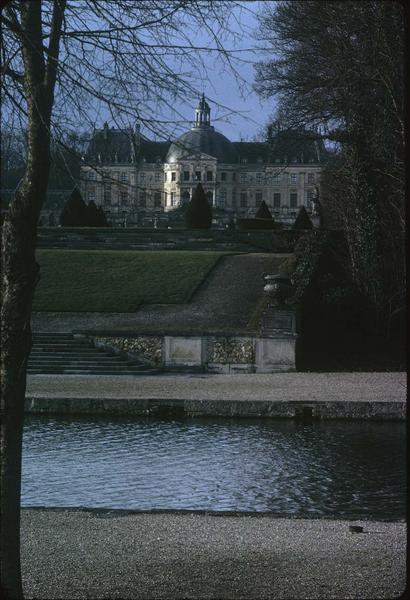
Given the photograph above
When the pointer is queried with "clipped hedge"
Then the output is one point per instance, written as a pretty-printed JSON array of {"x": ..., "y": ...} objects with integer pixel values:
[{"x": 252, "y": 224}]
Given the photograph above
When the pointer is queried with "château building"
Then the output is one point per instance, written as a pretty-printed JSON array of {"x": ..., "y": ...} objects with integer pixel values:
[{"x": 138, "y": 181}]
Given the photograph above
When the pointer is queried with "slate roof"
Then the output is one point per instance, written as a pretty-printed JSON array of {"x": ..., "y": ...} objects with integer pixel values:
[
  {"x": 296, "y": 147},
  {"x": 153, "y": 150},
  {"x": 110, "y": 146},
  {"x": 252, "y": 151},
  {"x": 117, "y": 146},
  {"x": 285, "y": 147}
]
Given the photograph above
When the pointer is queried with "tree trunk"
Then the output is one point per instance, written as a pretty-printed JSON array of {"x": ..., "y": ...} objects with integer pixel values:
[{"x": 20, "y": 274}]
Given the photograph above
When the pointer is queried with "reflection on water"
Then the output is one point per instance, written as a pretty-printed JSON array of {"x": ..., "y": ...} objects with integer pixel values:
[{"x": 339, "y": 469}]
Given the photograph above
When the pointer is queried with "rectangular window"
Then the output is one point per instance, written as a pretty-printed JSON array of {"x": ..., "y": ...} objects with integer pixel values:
[
  {"x": 91, "y": 195},
  {"x": 143, "y": 199},
  {"x": 107, "y": 194},
  {"x": 293, "y": 178},
  {"x": 173, "y": 199},
  {"x": 233, "y": 198},
  {"x": 259, "y": 178},
  {"x": 293, "y": 200},
  {"x": 223, "y": 176},
  {"x": 124, "y": 177},
  {"x": 311, "y": 178},
  {"x": 173, "y": 176},
  {"x": 198, "y": 175},
  {"x": 142, "y": 177},
  {"x": 243, "y": 177},
  {"x": 244, "y": 199},
  {"x": 222, "y": 198},
  {"x": 165, "y": 176},
  {"x": 276, "y": 178},
  {"x": 233, "y": 176},
  {"x": 276, "y": 200},
  {"x": 157, "y": 199},
  {"x": 258, "y": 197},
  {"x": 124, "y": 198},
  {"x": 186, "y": 175},
  {"x": 209, "y": 176},
  {"x": 157, "y": 177},
  {"x": 92, "y": 176}
]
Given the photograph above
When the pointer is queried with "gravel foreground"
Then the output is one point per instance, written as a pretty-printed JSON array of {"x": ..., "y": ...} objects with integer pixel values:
[{"x": 104, "y": 554}]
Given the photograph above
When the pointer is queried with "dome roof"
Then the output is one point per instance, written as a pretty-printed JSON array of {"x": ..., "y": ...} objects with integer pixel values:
[{"x": 203, "y": 140}]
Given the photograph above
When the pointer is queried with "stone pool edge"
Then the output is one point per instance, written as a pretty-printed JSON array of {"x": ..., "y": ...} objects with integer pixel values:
[
  {"x": 123, "y": 512},
  {"x": 290, "y": 409}
]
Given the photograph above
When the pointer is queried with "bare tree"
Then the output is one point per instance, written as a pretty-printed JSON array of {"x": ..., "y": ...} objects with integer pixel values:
[{"x": 62, "y": 61}]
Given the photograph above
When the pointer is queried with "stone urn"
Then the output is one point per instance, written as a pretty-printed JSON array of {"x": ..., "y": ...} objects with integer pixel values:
[{"x": 278, "y": 288}]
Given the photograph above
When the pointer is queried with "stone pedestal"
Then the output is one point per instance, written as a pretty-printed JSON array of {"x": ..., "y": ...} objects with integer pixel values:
[
  {"x": 275, "y": 354},
  {"x": 184, "y": 351}
]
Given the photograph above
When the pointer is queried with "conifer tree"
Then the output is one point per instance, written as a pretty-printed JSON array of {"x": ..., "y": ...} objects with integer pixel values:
[
  {"x": 102, "y": 219},
  {"x": 92, "y": 216},
  {"x": 302, "y": 220},
  {"x": 198, "y": 214},
  {"x": 74, "y": 213},
  {"x": 263, "y": 211}
]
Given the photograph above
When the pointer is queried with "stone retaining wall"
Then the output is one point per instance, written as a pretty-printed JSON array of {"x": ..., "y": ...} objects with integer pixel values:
[
  {"x": 395, "y": 411},
  {"x": 146, "y": 348},
  {"x": 215, "y": 354}
]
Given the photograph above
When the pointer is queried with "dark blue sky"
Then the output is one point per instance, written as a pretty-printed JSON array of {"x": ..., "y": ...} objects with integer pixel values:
[{"x": 241, "y": 113}]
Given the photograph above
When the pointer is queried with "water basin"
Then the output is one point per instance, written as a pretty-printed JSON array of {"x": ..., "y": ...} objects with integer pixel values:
[{"x": 321, "y": 469}]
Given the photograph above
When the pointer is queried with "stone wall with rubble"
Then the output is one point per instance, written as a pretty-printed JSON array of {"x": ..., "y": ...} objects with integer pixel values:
[
  {"x": 146, "y": 348},
  {"x": 214, "y": 354}
]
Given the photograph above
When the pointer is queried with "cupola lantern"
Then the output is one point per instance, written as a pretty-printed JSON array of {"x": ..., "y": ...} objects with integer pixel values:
[{"x": 203, "y": 113}]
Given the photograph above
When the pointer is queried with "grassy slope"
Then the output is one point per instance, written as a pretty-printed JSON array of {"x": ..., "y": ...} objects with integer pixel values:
[{"x": 116, "y": 281}]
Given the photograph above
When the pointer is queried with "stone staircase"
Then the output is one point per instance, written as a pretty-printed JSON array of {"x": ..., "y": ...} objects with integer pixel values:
[{"x": 64, "y": 353}]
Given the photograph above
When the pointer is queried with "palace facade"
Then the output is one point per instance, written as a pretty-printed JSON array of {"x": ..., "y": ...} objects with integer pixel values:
[{"x": 140, "y": 182}]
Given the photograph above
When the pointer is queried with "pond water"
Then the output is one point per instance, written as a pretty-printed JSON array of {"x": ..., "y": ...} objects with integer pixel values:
[{"x": 331, "y": 469}]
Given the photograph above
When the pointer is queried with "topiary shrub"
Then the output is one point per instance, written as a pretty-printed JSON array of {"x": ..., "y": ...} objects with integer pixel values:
[
  {"x": 74, "y": 213},
  {"x": 102, "y": 219},
  {"x": 92, "y": 215},
  {"x": 198, "y": 214},
  {"x": 263, "y": 211},
  {"x": 302, "y": 220}
]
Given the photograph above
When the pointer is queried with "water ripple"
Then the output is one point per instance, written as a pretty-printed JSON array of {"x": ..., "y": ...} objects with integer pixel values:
[{"x": 346, "y": 470}]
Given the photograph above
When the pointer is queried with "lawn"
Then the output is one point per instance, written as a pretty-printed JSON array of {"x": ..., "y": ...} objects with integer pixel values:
[{"x": 116, "y": 281}]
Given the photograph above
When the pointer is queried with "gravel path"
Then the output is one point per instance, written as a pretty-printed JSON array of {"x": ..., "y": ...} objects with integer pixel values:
[
  {"x": 113, "y": 554},
  {"x": 307, "y": 387},
  {"x": 226, "y": 299}
]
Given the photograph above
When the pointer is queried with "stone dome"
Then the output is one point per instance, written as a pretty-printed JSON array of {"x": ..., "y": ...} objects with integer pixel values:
[{"x": 202, "y": 138}]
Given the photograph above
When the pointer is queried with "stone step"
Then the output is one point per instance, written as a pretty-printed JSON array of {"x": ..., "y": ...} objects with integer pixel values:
[
  {"x": 53, "y": 348},
  {"x": 74, "y": 356},
  {"x": 91, "y": 371},
  {"x": 52, "y": 335},
  {"x": 62, "y": 353},
  {"x": 59, "y": 362},
  {"x": 57, "y": 340},
  {"x": 62, "y": 347}
]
